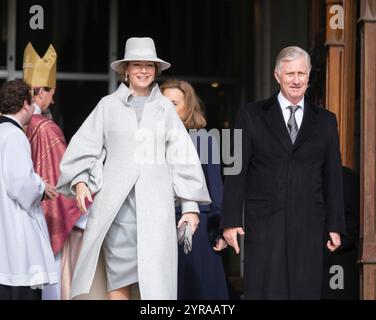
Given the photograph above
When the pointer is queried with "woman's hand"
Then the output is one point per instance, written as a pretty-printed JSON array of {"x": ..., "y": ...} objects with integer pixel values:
[
  {"x": 192, "y": 218},
  {"x": 82, "y": 193}
]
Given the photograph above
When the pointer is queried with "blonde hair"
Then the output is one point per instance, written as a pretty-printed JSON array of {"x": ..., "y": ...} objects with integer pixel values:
[
  {"x": 290, "y": 54},
  {"x": 194, "y": 117}
]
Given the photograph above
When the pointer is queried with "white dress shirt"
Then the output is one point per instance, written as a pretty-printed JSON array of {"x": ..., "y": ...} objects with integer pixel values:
[{"x": 284, "y": 103}]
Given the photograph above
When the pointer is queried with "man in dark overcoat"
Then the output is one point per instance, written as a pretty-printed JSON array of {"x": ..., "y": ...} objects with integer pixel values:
[{"x": 290, "y": 186}]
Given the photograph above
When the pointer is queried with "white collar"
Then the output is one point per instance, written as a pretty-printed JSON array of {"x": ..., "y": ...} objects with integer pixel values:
[
  {"x": 124, "y": 93},
  {"x": 37, "y": 109},
  {"x": 284, "y": 103}
]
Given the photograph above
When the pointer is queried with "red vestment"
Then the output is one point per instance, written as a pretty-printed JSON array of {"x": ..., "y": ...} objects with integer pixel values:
[{"x": 47, "y": 148}]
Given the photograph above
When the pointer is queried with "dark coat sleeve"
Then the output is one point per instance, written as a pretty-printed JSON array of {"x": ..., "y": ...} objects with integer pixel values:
[
  {"x": 235, "y": 185},
  {"x": 215, "y": 186},
  {"x": 333, "y": 185}
]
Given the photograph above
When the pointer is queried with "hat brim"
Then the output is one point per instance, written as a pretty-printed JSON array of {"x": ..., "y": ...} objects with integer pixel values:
[{"x": 116, "y": 65}]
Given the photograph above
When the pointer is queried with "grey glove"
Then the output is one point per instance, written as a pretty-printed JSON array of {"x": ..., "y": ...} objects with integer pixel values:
[{"x": 184, "y": 234}]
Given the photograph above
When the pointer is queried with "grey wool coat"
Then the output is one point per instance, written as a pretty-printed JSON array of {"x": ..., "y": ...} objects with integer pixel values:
[{"x": 112, "y": 153}]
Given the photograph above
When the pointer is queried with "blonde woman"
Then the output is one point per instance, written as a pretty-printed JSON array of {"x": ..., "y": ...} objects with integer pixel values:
[
  {"x": 133, "y": 213},
  {"x": 200, "y": 273}
]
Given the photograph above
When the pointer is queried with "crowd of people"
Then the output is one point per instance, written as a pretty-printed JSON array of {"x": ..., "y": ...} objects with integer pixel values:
[{"x": 138, "y": 186}]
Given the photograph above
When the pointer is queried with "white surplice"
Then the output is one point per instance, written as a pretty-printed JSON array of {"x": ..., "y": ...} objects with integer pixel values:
[{"x": 26, "y": 257}]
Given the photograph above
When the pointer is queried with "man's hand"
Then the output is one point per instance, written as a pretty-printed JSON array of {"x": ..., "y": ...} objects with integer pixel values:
[
  {"x": 82, "y": 193},
  {"x": 231, "y": 237},
  {"x": 50, "y": 192},
  {"x": 334, "y": 242},
  {"x": 220, "y": 244},
  {"x": 192, "y": 218}
]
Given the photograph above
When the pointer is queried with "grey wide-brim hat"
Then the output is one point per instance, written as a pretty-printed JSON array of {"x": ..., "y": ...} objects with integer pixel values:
[{"x": 139, "y": 49}]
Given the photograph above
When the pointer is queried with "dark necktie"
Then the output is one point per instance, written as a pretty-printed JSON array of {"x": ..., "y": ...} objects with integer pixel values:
[{"x": 291, "y": 123}]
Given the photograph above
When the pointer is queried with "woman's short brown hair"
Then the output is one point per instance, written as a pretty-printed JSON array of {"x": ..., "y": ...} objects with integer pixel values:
[
  {"x": 12, "y": 96},
  {"x": 194, "y": 117}
]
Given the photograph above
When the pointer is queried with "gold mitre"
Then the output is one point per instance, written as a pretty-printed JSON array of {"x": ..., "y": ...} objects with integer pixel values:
[{"x": 37, "y": 71}]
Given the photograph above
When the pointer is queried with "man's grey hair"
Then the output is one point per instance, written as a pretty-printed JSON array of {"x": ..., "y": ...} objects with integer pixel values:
[{"x": 290, "y": 54}]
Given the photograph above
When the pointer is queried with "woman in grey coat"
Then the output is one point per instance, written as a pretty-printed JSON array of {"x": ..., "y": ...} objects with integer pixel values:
[{"x": 134, "y": 153}]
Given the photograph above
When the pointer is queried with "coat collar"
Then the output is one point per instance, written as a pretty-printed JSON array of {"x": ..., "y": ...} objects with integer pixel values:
[
  {"x": 274, "y": 118},
  {"x": 123, "y": 92}
]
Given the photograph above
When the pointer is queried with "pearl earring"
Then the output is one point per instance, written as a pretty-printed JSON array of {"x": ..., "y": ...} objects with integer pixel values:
[{"x": 126, "y": 78}]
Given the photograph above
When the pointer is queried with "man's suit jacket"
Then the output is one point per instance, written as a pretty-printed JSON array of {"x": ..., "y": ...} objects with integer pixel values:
[{"x": 292, "y": 195}]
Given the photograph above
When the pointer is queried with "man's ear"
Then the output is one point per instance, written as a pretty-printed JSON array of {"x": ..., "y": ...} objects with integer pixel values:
[
  {"x": 276, "y": 76},
  {"x": 41, "y": 93},
  {"x": 26, "y": 105}
]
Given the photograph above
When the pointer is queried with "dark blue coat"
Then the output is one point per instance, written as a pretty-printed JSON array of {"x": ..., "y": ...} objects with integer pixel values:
[{"x": 200, "y": 272}]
